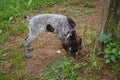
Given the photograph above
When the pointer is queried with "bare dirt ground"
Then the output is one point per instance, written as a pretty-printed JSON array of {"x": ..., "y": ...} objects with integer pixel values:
[
  {"x": 46, "y": 45},
  {"x": 45, "y": 52}
]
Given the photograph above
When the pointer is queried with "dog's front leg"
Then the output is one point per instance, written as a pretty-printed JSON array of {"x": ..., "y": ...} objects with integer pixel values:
[
  {"x": 61, "y": 37},
  {"x": 27, "y": 48}
]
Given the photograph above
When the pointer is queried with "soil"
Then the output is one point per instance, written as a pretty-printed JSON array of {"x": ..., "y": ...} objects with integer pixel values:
[
  {"x": 45, "y": 52},
  {"x": 47, "y": 44}
]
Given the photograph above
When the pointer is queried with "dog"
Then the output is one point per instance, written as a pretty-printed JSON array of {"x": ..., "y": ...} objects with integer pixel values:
[
  {"x": 72, "y": 43},
  {"x": 60, "y": 25}
]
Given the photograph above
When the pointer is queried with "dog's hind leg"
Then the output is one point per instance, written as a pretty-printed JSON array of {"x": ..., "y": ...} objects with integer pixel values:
[
  {"x": 28, "y": 40},
  {"x": 29, "y": 48}
]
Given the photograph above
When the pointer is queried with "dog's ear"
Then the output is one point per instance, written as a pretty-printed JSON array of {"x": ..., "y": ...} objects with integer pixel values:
[
  {"x": 71, "y": 23},
  {"x": 49, "y": 28}
]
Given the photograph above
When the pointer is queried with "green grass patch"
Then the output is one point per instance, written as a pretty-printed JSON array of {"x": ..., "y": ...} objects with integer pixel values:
[
  {"x": 3, "y": 38},
  {"x": 85, "y": 3},
  {"x": 17, "y": 8},
  {"x": 16, "y": 59},
  {"x": 62, "y": 69},
  {"x": 18, "y": 30},
  {"x": 5, "y": 77},
  {"x": 89, "y": 4},
  {"x": 116, "y": 69},
  {"x": 17, "y": 64},
  {"x": 89, "y": 12},
  {"x": 93, "y": 64},
  {"x": 3, "y": 52},
  {"x": 90, "y": 37}
]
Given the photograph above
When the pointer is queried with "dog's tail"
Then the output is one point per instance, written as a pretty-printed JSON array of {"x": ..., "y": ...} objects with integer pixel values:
[{"x": 27, "y": 18}]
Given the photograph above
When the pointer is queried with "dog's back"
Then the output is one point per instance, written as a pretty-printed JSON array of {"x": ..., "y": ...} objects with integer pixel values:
[{"x": 55, "y": 20}]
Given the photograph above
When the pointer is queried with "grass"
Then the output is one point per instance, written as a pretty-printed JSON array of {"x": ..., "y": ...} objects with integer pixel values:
[
  {"x": 90, "y": 12},
  {"x": 90, "y": 36},
  {"x": 94, "y": 64},
  {"x": 14, "y": 8},
  {"x": 3, "y": 52},
  {"x": 116, "y": 69},
  {"x": 62, "y": 69},
  {"x": 89, "y": 4},
  {"x": 16, "y": 63}
]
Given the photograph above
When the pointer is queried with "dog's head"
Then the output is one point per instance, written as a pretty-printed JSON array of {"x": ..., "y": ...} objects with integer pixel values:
[
  {"x": 76, "y": 45},
  {"x": 74, "y": 42}
]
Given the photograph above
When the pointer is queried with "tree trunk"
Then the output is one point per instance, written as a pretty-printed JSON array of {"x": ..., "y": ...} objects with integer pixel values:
[
  {"x": 111, "y": 20},
  {"x": 105, "y": 6},
  {"x": 112, "y": 24}
]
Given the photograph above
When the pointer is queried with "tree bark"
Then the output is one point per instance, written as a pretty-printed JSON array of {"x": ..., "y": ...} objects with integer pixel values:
[
  {"x": 112, "y": 24},
  {"x": 105, "y": 7},
  {"x": 111, "y": 20},
  {"x": 105, "y": 13}
]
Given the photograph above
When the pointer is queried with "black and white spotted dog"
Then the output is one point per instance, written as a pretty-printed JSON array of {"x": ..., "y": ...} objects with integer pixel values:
[{"x": 61, "y": 25}]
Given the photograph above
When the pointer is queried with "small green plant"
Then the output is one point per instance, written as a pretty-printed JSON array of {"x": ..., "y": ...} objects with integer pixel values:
[
  {"x": 112, "y": 49},
  {"x": 112, "y": 52},
  {"x": 90, "y": 35},
  {"x": 118, "y": 37},
  {"x": 94, "y": 63},
  {"x": 104, "y": 38}
]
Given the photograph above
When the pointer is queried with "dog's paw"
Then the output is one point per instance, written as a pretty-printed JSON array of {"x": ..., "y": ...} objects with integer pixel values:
[
  {"x": 30, "y": 49},
  {"x": 75, "y": 54},
  {"x": 28, "y": 56}
]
